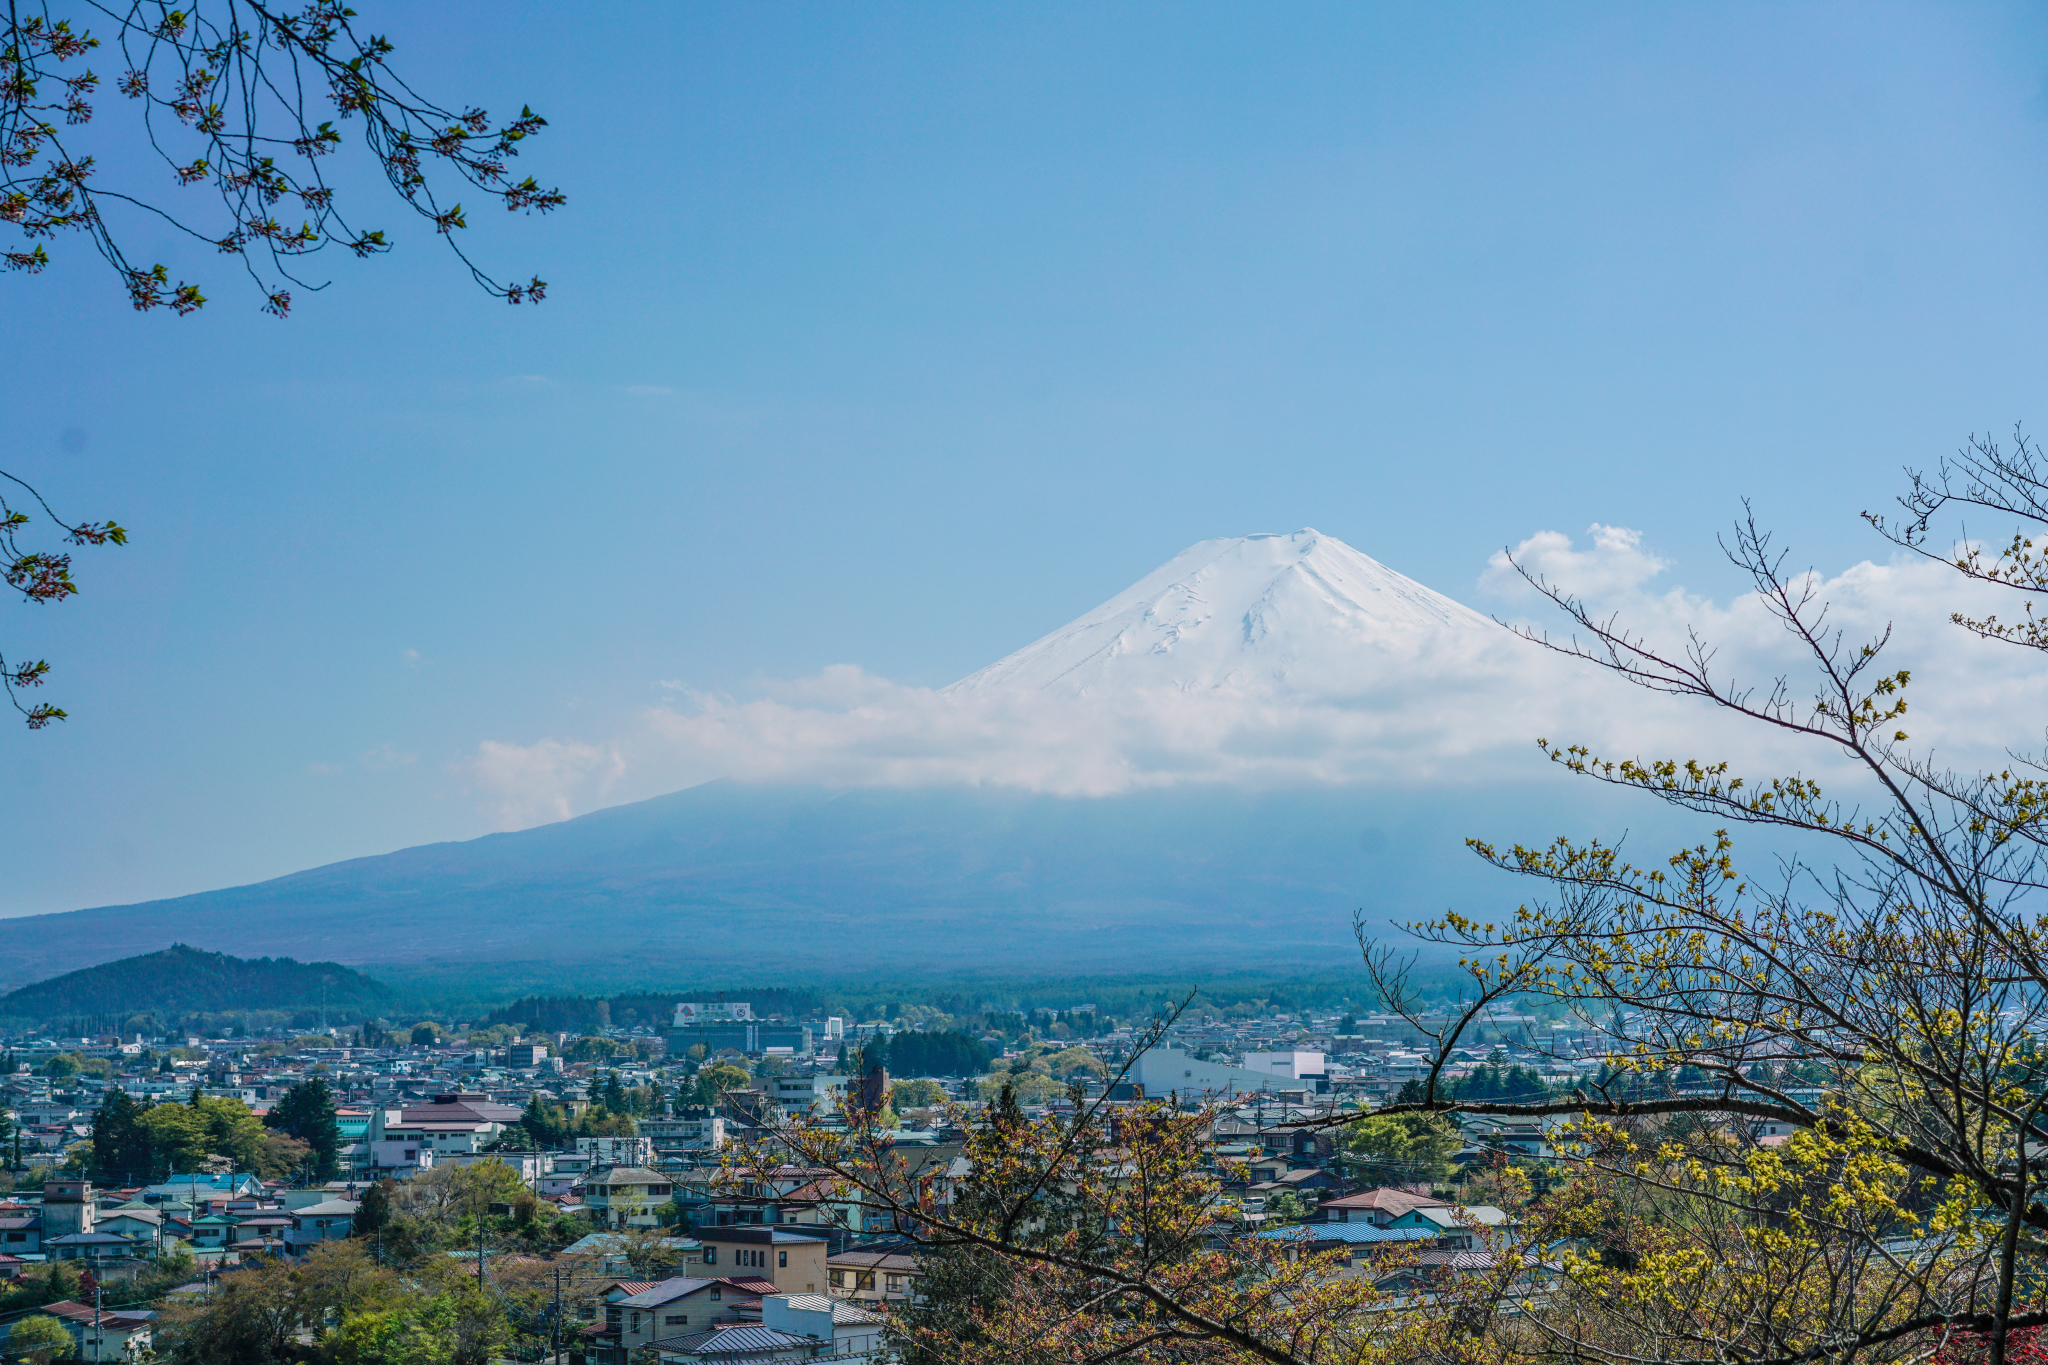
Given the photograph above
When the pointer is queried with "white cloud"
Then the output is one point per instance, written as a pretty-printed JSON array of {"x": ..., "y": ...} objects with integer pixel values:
[
  {"x": 385, "y": 757},
  {"x": 530, "y": 784},
  {"x": 1461, "y": 710},
  {"x": 1615, "y": 563}
]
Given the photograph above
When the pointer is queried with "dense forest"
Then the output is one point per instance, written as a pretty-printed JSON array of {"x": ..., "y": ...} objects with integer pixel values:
[{"x": 181, "y": 981}]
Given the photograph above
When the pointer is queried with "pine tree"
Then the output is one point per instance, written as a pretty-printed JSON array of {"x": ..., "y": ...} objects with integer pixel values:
[
  {"x": 541, "y": 1128},
  {"x": 120, "y": 1143},
  {"x": 306, "y": 1111},
  {"x": 375, "y": 1209}
]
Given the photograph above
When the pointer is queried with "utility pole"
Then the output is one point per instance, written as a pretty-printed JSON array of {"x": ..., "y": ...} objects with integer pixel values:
[
  {"x": 555, "y": 1324},
  {"x": 98, "y": 1330}
]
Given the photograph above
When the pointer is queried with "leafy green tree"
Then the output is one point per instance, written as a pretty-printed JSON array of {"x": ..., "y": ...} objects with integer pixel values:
[
  {"x": 1029, "y": 1087},
  {"x": 306, "y": 1111},
  {"x": 916, "y": 1094},
  {"x": 1400, "y": 1148},
  {"x": 40, "y": 1338},
  {"x": 592, "y": 1049},
  {"x": 1076, "y": 1060},
  {"x": 425, "y": 1034},
  {"x": 182, "y": 1136},
  {"x": 1288, "y": 1207},
  {"x": 419, "y": 1334},
  {"x": 714, "y": 1080},
  {"x": 256, "y": 1318},
  {"x": 598, "y": 1121}
]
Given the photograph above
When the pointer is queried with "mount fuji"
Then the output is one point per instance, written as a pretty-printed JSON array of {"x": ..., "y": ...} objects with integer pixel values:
[
  {"x": 1302, "y": 611},
  {"x": 1256, "y": 668}
]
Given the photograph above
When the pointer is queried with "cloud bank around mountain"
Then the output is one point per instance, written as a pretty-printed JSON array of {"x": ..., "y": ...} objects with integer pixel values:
[{"x": 1454, "y": 709}]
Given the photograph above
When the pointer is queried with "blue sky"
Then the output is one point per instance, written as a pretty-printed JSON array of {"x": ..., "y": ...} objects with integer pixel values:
[{"x": 897, "y": 336}]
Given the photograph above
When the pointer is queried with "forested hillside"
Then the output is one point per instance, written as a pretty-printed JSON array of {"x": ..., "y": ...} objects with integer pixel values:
[{"x": 180, "y": 981}]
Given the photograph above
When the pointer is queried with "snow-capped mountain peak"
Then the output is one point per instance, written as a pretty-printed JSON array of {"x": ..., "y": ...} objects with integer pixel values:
[{"x": 1245, "y": 612}]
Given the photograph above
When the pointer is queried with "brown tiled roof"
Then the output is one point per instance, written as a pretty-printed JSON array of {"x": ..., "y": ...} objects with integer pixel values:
[
  {"x": 71, "y": 1311},
  {"x": 466, "y": 1111},
  {"x": 1393, "y": 1203},
  {"x": 631, "y": 1287}
]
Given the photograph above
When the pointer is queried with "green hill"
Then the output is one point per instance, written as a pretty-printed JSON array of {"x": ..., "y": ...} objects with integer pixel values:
[{"x": 183, "y": 981}]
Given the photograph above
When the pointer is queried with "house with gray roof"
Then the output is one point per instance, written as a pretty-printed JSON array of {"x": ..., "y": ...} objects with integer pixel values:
[
  {"x": 846, "y": 1329},
  {"x": 670, "y": 1308},
  {"x": 330, "y": 1220},
  {"x": 733, "y": 1344}
]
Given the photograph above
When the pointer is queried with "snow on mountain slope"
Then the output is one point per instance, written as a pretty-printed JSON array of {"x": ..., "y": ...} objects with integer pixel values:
[
  {"x": 1261, "y": 661},
  {"x": 1283, "y": 612}
]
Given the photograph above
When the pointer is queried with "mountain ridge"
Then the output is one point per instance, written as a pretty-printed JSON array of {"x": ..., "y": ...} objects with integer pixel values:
[
  {"x": 950, "y": 876},
  {"x": 733, "y": 876}
]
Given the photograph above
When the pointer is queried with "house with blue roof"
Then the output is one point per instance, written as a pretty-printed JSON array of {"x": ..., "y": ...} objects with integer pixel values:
[
  {"x": 196, "y": 1188},
  {"x": 1453, "y": 1227},
  {"x": 1351, "y": 1240}
]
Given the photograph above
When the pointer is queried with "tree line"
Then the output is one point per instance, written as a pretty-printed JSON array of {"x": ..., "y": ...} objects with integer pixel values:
[
  {"x": 137, "y": 1144},
  {"x": 942, "y": 1052}
]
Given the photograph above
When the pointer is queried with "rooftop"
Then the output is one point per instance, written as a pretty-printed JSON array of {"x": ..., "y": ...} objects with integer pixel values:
[{"x": 758, "y": 1236}]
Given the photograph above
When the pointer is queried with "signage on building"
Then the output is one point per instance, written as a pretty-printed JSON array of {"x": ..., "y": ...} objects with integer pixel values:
[{"x": 722, "y": 1012}]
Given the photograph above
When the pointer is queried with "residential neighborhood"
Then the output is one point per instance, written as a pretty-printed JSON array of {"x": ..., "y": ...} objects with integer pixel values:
[{"x": 621, "y": 1164}]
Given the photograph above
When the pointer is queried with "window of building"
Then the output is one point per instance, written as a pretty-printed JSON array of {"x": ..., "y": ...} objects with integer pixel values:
[
  {"x": 839, "y": 1279},
  {"x": 676, "y": 1320},
  {"x": 864, "y": 1280},
  {"x": 710, "y": 1255},
  {"x": 716, "y": 1292},
  {"x": 782, "y": 1258},
  {"x": 895, "y": 1283}
]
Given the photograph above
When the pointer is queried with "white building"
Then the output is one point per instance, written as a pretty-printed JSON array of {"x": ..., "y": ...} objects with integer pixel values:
[
  {"x": 1295, "y": 1066},
  {"x": 617, "y": 1151},
  {"x": 808, "y": 1094},
  {"x": 1170, "y": 1070},
  {"x": 703, "y": 1134},
  {"x": 853, "y": 1333}
]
